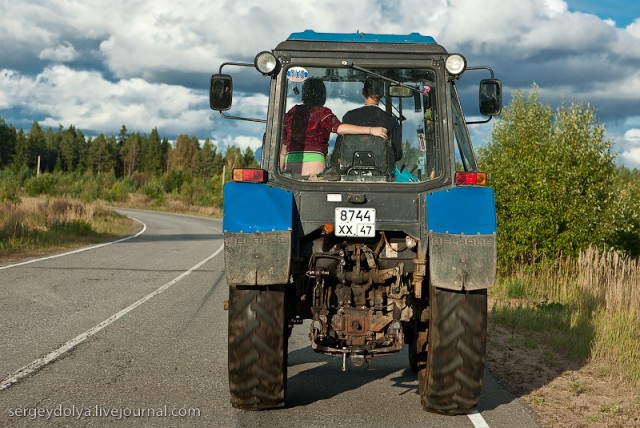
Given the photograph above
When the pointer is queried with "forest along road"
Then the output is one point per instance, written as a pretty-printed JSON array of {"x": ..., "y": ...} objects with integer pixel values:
[{"x": 136, "y": 330}]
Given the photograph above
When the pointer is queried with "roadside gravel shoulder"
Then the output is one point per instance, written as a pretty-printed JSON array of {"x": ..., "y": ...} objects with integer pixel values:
[{"x": 561, "y": 392}]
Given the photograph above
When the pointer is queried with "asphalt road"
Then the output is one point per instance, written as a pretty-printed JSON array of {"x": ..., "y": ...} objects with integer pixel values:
[{"x": 134, "y": 333}]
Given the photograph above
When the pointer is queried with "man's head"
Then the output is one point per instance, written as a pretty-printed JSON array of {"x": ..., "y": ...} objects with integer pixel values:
[{"x": 373, "y": 88}]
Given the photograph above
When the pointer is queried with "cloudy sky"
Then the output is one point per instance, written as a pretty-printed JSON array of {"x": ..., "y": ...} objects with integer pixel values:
[{"x": 98, "y": 65}]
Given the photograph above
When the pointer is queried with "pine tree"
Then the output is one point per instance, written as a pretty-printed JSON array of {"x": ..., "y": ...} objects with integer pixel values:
[
  {"x": 37, "y": 146},
  {"x": 21, "y": 153},
  {"x": 99, "y": 157},
  {"x": 152, "y": 153},
  {"x": 8, "y": 136}
]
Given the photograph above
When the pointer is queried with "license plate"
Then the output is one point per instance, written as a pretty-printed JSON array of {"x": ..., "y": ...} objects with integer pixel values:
[{"x": 355, "y": 222}]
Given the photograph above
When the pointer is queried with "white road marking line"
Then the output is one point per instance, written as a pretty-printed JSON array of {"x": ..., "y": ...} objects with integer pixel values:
[
  {"x": 144, "y": 228},
  {"x": 53, "y": 355},
  {"x": 477, "y": 420}
]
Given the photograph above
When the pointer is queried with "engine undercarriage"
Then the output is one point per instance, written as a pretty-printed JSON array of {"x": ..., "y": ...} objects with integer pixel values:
[{"x": 360, "y": 294}]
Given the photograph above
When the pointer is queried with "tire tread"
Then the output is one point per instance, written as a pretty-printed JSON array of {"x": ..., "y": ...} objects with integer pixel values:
[
  {"x": 451, "y": 380},
  {"x": 257, "y": 348}
]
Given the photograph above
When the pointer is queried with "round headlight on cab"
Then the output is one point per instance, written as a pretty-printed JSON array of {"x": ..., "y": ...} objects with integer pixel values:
[
  {"x": 455, "y": 64},
  {"x": 266, "y": 63}
]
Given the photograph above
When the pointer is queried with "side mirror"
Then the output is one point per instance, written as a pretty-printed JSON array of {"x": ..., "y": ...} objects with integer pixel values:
[
  {"x": 400, "y": 91},
  {"x": 490, "y": 97},
  {"x": 220, "y": 92}
]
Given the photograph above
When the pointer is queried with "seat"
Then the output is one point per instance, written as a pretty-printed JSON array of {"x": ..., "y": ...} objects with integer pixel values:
[{"x": 364, "y": 155}]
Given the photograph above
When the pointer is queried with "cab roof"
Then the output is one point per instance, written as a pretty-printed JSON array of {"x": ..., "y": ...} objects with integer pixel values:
[
  {"x": 396, "y": 44},
  {"x": 310, "y": 36}
]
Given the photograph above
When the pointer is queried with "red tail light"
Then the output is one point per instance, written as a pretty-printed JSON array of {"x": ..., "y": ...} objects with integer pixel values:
[
  {"x": 247, "y": 175},
  {"x": 471, "y": 178}
]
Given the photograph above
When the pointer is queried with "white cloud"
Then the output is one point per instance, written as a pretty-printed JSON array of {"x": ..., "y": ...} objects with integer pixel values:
[
  {"x": 88, "y": 101},
  {"x": 17, "y": 28},
  {"x": 11, "y": 85},
  {"x": 141, "y": 60},
  {"x": 150, "y": 39},
  {"x": 631, "y": 157},
  {"x": 631, "y": 154},
  {"x": 575, "y": 32},
  {"x": 633, "y": 135},
  {"x": 243, "y": 142},
  {"x": 555, "y": 7},
  {"x": 61, "y": 53},
  {"x": 634, "y": 28}
]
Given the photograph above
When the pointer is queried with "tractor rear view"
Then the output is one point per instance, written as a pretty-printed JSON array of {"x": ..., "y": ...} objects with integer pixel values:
[{"x": 377, "y": 249}]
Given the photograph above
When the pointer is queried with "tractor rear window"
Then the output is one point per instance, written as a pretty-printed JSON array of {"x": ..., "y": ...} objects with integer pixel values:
[{"x": 320, "y": 99}]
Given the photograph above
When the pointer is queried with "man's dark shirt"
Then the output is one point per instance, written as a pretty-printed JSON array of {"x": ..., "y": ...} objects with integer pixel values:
[{"x": 372, "y": 115}]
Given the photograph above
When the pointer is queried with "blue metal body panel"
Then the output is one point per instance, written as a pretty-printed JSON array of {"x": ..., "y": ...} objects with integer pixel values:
[
  {"x": 312, "y": 36},
  {"x": 251, "y": 208},
  {"x": 462, "y": 210}
]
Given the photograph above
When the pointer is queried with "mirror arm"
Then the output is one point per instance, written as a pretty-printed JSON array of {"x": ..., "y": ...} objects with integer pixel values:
[
  {"x": 350, "y": 64},
  {"x": 475, "y": 122},
  {"x": 247, "y": 119},
  {"x": 482, "y": 67},
  {"x": 240, "y": 64}
]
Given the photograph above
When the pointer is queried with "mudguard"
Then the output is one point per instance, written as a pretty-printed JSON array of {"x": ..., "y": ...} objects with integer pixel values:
[
  {"x": 461, "y": 224},
  {"x": 257, "y": 224}
]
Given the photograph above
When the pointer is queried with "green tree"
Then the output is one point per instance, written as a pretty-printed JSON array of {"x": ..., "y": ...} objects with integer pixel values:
[
  {"x": 152, "y": 153},
  {"x": 53, "y": 161},
  {"x": 81, "y": 144},
  {"x": 626, "y": 212},
  {"x": 206, "y": 159},
  {"x": 37, "y": 146},
  {"x": 553, "y": 178},
  {"x": 99, "y": 157},
  {"x": 183, "y": 155},
  {"x": 72, "y": 149},
  {"x": 21, "y": 153},
  {"x": 248, "y": 159},
  {"x": 195, "y": 145},
  {"x": 233, "y": 159},
  {"x": 166, "y": 148},
  {"x": 8, "y": 137},
  {"x": 131, "y": 154},
  {"x": 122, "y": 136},
  {"x": 28, "y": 147}
]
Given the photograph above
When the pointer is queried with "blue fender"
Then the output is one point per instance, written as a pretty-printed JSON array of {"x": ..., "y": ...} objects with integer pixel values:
[
  {"x": 257, "y": 224},
  {"x": 461, "y": 226}
]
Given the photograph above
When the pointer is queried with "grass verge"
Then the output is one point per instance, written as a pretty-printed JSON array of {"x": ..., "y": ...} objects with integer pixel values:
[
  {"x": 34, "y": 226},
  {"x": 586, "y": 308}
]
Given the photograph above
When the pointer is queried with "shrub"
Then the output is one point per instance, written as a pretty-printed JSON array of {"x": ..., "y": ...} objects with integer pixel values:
[{"x": 44, "y": 184}]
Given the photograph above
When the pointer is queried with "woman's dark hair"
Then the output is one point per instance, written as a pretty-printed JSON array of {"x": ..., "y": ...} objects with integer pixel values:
[{"x": 313, "y": 92}]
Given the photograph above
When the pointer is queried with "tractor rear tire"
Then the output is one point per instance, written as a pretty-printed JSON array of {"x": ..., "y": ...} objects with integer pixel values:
[
  {"x": 257, "y": 347},
  {"x": 451, "y": 381}
]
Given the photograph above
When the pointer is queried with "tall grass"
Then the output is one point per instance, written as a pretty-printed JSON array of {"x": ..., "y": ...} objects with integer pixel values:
[
  {"x": 587, "y": 306},
  {"x": 35, "y": 225}
]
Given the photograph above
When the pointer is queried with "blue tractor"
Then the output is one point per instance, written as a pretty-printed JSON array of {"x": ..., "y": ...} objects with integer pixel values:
[{"x": 376, "y": 243}]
